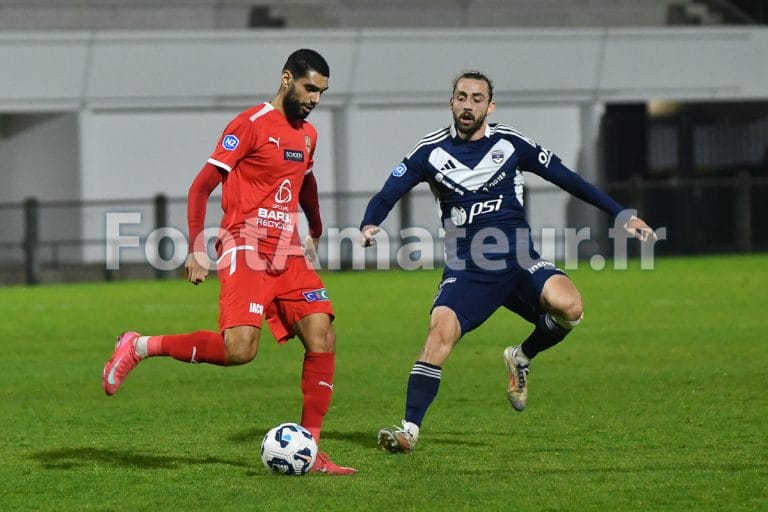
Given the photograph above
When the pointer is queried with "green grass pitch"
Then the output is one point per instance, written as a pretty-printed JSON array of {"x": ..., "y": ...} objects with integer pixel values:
[{"x": 658, "y": 401}]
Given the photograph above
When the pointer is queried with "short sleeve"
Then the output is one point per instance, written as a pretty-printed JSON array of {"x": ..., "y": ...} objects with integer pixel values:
[{"x": 234, "y": 144}]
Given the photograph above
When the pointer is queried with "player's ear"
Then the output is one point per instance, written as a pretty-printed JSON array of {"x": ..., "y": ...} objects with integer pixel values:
[
  {"x": 491, "y": 107},
  {"x": 286, "y": 79}
]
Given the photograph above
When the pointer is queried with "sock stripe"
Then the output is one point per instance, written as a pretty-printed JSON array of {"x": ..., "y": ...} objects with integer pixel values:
[
  {"x": 427, "y": 371},
  {"x": 553, "y": 326}
]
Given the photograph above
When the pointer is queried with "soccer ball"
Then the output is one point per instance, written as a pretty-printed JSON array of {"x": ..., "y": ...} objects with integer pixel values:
[{"x": 289, "y": 448}]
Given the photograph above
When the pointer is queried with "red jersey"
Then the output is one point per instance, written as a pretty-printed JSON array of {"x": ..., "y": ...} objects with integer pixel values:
[{"x": 266, "y": 159}]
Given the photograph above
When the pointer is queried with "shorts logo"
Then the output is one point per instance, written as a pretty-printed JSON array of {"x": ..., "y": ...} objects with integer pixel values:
[
  {"x": 293, "y": 155},
  {"x": 541, "y": 264},
  {"x": 254, "y": 307},
  {"x": 399, "y": 170},
  {"x": 497, "y": 156},
  {"x": 230, "y": 142},
  {"x": 316, "y": 295}
]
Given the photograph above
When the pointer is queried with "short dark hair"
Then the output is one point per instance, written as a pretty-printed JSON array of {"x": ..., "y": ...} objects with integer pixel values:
[
  {"x": 302, "y": 61},
  {"x": 474, "y": 74}
]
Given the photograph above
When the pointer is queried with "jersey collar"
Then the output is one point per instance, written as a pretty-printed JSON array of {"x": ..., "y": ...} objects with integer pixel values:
[{"x": 455, "y": 134}]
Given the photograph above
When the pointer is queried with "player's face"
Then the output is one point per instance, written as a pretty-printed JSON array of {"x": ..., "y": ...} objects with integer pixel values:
[
  {"x": 471, "y": 105},
  {"x": 304, "y": 94}
]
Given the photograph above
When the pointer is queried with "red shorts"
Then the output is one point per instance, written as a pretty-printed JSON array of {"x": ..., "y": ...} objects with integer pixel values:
[{"x": 284, "y": 290}]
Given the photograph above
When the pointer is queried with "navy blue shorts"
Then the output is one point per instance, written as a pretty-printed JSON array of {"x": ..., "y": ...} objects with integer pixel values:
[{"x": 474, "y": 295}]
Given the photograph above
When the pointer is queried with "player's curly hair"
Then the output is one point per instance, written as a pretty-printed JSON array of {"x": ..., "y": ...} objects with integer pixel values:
[
  {"x": 474, "y": 74},
  {"x": 302, "y": 61}
]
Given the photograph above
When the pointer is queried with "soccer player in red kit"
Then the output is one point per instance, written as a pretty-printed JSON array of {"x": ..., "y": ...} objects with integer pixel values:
[{"x": 263, "y": 161}]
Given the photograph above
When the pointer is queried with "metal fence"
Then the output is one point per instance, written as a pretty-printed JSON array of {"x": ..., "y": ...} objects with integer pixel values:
[{"x": 42, "y": 241}]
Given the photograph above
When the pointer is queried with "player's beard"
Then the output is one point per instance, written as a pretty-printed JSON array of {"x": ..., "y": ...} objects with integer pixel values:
[
  {"x": 470, "y": 130},
  {"x": 294, "y": 109}
]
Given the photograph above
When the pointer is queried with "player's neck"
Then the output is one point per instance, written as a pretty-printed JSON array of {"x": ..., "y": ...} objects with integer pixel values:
[{"x": 277, "y": 104}]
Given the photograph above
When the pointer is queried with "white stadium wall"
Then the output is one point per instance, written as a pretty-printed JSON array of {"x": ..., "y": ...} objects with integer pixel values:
[
  {"x": 149, "y": 106},
  {"x": 39, "y": 157}
]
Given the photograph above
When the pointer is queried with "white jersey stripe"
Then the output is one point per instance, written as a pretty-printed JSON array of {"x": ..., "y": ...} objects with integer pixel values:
[
  {"x": 501, "y": 128},
  {"x": 266, "y": 109},
  {"x": 431, "y": 139},
  {"x": 219, "y": 164}
]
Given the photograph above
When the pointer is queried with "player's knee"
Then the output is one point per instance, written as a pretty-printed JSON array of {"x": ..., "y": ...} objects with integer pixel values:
[
  {"x": 569, "y": 307},
  {"x": 326, "y": 340},
  {"x": 444, "y": 333},
  {"x": 574, "y": 309},
  {"x": 317, "y": 334},
  {"x": 241, "y": 347}
]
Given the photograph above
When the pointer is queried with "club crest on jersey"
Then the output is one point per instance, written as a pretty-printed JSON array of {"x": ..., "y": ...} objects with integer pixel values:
[
  {"x": 316, "y": 295},
  {"x": 399, "y": 170},
  {"x": 308, "y": 144},
  {"x": 497, "y": 156},
  {"x": 230, "y": 142},
  {"x": 294, "y": 155}
]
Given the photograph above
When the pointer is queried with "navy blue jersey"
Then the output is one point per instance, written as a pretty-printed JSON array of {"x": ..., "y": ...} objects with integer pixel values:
[{"x": 479, "y": 185}]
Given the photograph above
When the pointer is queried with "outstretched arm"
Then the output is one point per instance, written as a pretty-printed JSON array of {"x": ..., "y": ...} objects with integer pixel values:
[
  {"x": 397, "y": 185},
  {"x": 574, "y": 184},
  {"x": 204, "y": 183}
]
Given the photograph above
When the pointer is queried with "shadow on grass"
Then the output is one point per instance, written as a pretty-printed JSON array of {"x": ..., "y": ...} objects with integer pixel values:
[
  {"x": 255, "y": 434},
  {"x": 68, "y": 458},
  {"x": 365, "y": 439}
]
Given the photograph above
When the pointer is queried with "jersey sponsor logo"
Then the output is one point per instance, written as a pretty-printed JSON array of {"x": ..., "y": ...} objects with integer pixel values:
[
  {"x": 294, "y": 155},
  {"x": 459, "y": 215},
  {"x": 230, "y": 142},
  {"x": 316, "y": 295},
  {"x": 495, "y": 181},
  {"x": 441, "y": 178},
  {"x": 497, "y": 156},
  {"x": 283, "y": 194},
  {"x": 399, "y": 170},
  {"x": 539, "y": 265},
  {"x": 545, "y": 156},
  {"x": 274, "y": 219}
]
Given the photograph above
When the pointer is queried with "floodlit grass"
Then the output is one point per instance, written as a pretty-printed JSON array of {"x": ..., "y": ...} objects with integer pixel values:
[{"x": 656, "y": 402}]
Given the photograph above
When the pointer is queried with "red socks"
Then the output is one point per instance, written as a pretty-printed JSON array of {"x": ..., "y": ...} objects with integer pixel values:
[
  {"x": 195, "y": 347},
  {"x": 317, "y": 386},
  {"x": 208, "y": 347}
]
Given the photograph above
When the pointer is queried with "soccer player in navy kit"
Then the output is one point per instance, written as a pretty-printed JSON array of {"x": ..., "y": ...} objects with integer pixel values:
[{"x": 474, "y": 169}]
